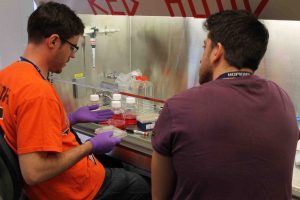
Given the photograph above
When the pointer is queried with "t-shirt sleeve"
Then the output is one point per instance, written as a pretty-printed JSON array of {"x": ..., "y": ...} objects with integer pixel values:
[
  {"x": 39, "y": 125},
  {"x": 162, "y": 133}
]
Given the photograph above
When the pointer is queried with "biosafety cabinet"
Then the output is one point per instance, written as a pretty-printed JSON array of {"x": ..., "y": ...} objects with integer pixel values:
[
  {"x": 124, "y": 36},
  {"x": 163, "y": 40}
]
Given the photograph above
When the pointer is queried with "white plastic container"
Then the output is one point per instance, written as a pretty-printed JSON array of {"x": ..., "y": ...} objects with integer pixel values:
[
  {"x": 119, "y": 97},
  {"x": 118, "y": 117},
  {"x": 116, "y": 107},
  {"x": 130, "y": 111},
  {"x": 116, "y": 97},
  {"x": 94, "y": 99},
  {"x": 144, "y": 88}
]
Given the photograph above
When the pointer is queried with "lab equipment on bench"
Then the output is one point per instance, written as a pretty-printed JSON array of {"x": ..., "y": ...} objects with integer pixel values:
[
  {"x": 130, "y": 111},
  {"x": 118, "y": 118},
  {"x": 116, "y": 131},
  {"x": 138, "y": 132},
  {"x": 143, "y": 87},
  {"x": 146, "y": 122},
  {"x": 94, "y": 100}
]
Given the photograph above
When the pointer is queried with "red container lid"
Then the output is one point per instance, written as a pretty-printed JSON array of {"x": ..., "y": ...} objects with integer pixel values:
[{"x": 141, "y": 78}]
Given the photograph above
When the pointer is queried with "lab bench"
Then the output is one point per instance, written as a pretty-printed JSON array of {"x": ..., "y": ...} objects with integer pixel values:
[{"x": 134, "y": 149}]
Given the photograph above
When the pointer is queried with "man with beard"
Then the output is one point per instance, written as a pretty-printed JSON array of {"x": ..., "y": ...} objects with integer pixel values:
[
  {"x": 235, "y": 135},
  {"x": 53, "y": 163}
]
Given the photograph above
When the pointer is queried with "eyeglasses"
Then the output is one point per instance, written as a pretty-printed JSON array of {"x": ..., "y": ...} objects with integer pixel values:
[{"x": 74, "y": 47}]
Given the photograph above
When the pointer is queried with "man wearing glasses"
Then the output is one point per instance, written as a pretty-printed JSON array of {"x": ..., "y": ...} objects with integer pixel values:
[
  {"x": 74, "y": 48},
  {"x": 53, "y": 163}
]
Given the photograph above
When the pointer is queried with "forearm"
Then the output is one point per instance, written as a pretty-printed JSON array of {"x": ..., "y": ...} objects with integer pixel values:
[
  {"x": 41, "y": 166},
  {"x": 162, "y": 177}
]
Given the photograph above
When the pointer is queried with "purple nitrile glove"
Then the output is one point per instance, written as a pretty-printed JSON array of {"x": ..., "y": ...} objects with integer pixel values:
[
  {"x": 104, "y": 142},
  {"x": 86, "y": 114}
]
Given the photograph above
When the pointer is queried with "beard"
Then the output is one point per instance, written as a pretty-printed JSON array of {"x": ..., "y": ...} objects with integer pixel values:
[
  {"x": 205, "y": 75},
  {"x": 57, "y": 66}
]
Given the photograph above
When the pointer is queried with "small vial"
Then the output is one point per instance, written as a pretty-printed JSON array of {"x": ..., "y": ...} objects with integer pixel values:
[
  {"x": 130, "y": 111},
  {"x": 116, "y": 97},
  {"x": 94, "y": 99}
]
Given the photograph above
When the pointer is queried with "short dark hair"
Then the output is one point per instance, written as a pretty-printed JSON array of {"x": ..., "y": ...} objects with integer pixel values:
[
  {"x": 244, "y": 38},
  {"x": 53, "y": 18}
]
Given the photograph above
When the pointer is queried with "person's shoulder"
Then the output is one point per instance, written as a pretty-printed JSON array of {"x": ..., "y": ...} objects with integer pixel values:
[
  {"x": 24, "y": 79},
  {"x": 265, "y": 81},
  {"x": 192, "y": 94},
  {"x": 18, "y": 69},
  {"x": 199, "y": 89},
  {"x": 10, "y": 67},
  {"x": 275, "y": 87}
]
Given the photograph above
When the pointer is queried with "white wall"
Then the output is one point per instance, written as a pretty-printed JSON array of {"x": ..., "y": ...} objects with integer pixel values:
[
  {"x": 281, "y": 63},
  {"x": 13, "y": 34}
]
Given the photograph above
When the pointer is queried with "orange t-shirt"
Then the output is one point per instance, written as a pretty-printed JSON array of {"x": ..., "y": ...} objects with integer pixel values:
[{"x": 34, "y": 120}]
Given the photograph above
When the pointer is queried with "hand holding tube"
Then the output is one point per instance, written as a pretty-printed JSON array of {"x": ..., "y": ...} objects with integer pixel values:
[
  {"x": 104, "y": 142},
  {"x": 87, "y": 114}
]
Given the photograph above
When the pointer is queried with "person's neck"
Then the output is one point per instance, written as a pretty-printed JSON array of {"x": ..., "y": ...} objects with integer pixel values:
[
  {"x": 35, "y": 55},
  {"x": 225, "y": 69}
]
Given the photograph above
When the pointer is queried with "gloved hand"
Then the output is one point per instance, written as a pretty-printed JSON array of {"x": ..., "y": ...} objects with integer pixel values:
[
  {"x": 86, "y": 114},
  {"x": 104, "y": 142}
]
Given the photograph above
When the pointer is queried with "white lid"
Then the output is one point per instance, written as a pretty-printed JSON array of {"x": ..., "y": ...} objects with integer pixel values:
[
  {"x": 130, "y": 100},
  {"x": 117, "y": 97},
  {"x": 116, "y": 104},
  {"x": 94, "y": 97}
]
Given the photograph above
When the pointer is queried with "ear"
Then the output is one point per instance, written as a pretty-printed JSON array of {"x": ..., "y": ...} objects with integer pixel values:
[
  {"x": 217, "y": 53},
  {"x": 53, "y": 40}
]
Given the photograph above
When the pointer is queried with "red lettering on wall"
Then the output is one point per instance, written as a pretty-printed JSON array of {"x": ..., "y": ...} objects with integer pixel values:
[
  {"x": 112, "y": 11},
  {"x": 247, "y": 5},
  {"x": 93, "y": 6},
  {"x": 130, "y": 11},
  {"x": 134, "y": 7},
  {"x": 205, "y": 7},
  {"x": 220, "y": 5},
  {"x": 260, "y": 7},
  {"x": 233, "y": 4},
  {"x": 169, "y": 2},
  {"x": 194, "y": 5}
]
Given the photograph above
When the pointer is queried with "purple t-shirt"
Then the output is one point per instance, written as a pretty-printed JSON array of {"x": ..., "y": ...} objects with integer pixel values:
[{"x": 230, "y": 139}]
